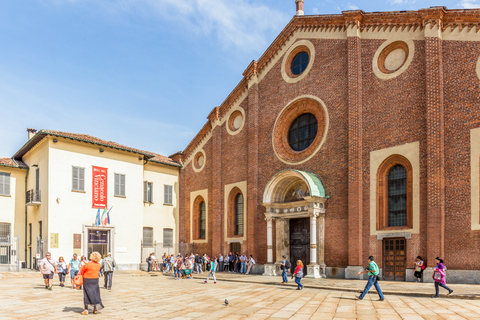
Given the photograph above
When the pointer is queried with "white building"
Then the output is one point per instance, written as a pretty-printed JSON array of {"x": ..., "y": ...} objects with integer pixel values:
[{"x": 68, "y": 176}]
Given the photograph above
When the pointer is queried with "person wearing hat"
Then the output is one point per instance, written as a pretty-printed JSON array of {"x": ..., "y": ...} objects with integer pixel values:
[
  {"x": 285, "y": 266},
  {"x": 108, "y": 266}
]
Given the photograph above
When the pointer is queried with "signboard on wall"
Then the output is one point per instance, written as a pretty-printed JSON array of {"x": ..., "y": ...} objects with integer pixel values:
[
  {"x": 99, "y": 187},
  {"x": 54, "y": 240},
  {"x": 97, "y": 237},
  {"x": 77, "y": 241}
]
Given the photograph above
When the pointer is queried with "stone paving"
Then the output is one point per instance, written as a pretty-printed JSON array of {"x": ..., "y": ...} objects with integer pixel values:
[{"x": 154, "y": 296}]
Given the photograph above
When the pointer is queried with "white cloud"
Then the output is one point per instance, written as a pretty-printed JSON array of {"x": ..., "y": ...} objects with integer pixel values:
[
  {"x": 396, "y": 2},
  {"x": 469, "y": 4},
  {"x": 348, "y": 6},
  {"x": 316, "y": 11}
]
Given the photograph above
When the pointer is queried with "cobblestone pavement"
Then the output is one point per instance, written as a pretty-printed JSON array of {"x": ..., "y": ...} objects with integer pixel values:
[{"x": 153, "y": 296}]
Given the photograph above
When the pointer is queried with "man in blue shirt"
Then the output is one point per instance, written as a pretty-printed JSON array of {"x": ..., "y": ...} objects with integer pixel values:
[{"x": 373, "y": 272}]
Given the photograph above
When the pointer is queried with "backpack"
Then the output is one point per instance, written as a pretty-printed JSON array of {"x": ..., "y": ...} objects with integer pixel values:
[{"x": 288, "y": 265}]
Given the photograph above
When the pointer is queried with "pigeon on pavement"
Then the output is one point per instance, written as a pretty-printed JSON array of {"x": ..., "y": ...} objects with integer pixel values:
[{"x": 226, "y": 302}]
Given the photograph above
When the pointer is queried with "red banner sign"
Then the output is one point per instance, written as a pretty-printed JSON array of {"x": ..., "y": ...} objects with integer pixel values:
[{"x": 99, "y": 190}]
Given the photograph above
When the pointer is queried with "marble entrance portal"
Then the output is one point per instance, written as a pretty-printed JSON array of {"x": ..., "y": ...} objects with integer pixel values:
[{"x": 294, "y": 194}]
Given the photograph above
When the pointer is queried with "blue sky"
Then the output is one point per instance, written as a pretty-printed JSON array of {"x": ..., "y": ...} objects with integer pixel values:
[{"x": 144, "y": 73}]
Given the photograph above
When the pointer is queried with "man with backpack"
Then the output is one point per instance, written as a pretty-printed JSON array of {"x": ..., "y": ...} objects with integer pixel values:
[
  {"x": 108, "y": 266},
  {"x": 285, "y": 267},
  {"x": 198, "y": 263}
]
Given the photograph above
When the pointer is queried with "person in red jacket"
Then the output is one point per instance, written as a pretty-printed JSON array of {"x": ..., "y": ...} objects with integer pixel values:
[
  {"x": 298, "y": 274},
  {"x": 91, "y": 289}
]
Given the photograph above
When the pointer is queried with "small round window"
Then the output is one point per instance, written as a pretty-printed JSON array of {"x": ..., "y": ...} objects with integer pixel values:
[
  {"x": 300, "y": 63},
  {"x": 302, "y": 132}
]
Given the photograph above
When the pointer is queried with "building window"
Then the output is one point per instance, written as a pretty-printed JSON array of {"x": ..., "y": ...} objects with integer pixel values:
[
  {"x": 300, "y": 63},
  {"x": 394, "y": 194},
  {"x": 302, "y": 132},
  {"x": 239, "y": 215},
  {"x": 202, "y": 221},
  {"x": 119, "y": 185},
  {"x": 147, "y": 191},
  {"x": 4, "y": 183},
  {"x": 168, "y": 238},
  {"x": 5, "y": 232},
  {"x": 29, "y": 234},
  {"x": 397, "y": 196},
  {"x": 147, "y": 237},
  {"x": 78, "y": 179},
  {"x": 168, "y": 194}
]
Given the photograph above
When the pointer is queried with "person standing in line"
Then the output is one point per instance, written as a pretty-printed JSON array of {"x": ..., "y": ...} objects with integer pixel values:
[
  {"x": 237, "y": 263},
  {"x": 439, "y": 277},
  {"x": 198, "y": 266},
  {"x": 285, "y": 266},
  {"x": 48, "y": 267},
  {"x": 251, "y": 262},
  {"x": 188, "y": 268},
  {"x": 212, "y": 271},
  {"x": 373, "y": 272},
  {"x": 178, "y": 268},
  {"x": 298, "y": 274},
  {"x": 172, "y": 263},
  {"x": 74, "y": 267},
  {"x": 149, "y": 262},
  {"x": 62, "y": 269},
  {"x": 231, "y": 258},
  {"x": 108, "y": 266},
  {"x": 91, "y": 288},
  {"x": 226, "y": 263},
  {"x": 419, "y": 267},
  {"x": 220, "y": 262},
  {"x": 243, "y": 263},
  {"x": 205, "y": 262}
]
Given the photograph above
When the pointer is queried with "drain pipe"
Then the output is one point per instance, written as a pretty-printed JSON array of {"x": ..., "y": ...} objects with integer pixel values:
[{"x": 26, "y": 177}]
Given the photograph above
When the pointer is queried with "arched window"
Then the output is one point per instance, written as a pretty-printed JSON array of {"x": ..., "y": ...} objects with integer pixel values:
[
  {"x": 239, "y": 215},
  {"x": 202, "y": 220},
  {"x": 395, "y": 194}
]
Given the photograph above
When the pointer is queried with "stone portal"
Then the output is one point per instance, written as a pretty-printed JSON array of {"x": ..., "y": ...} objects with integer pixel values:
[{"x": 295, "y": 201}]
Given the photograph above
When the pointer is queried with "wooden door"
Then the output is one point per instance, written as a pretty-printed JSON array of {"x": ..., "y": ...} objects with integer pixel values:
[
  {"x": 300, "y": 242},
  {"x": 394, "y": 259}
]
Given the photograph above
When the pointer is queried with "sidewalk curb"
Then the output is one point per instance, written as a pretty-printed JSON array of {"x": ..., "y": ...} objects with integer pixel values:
[{"x": 320, "y": 287}]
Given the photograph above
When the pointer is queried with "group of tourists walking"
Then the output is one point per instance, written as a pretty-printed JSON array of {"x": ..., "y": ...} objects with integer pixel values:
[{"x": 89, "y": 270}]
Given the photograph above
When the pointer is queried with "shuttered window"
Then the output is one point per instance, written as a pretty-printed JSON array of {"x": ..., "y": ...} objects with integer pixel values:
[
  {"x": 4, "y": 183},
  {"x": 119, "y": 185},
  {"x": 148, "y": 237},
  {"x": 168, "y": 238},
  {"x": 202, "y": 221},
  {"x": 397, "y": 196},
  {"x": 168, "y": 194},
  {"x": 78, "y": 179},
  {"x": 239, "y": 215},
  {"x": 147, "y": 191}
]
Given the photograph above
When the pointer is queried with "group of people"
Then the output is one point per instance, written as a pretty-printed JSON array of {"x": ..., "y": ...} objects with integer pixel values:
[
  {"x": 197, "y": 263},
  {"x": 90, "y": 270}
]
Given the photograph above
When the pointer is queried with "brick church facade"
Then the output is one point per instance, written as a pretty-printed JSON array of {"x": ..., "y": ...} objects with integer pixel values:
[{"x": 354, "y": 134}]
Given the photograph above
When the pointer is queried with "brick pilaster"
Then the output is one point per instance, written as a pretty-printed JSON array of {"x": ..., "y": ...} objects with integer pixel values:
[
  {"x": 355, "y": 170},
  {"x": 432, "y": 20},
  {"x": 215, "y": 218},
  {"x": 254, "y": 209}
]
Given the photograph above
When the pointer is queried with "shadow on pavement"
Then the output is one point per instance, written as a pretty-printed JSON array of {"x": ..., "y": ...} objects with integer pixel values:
[{"x": 72, "y": 309}]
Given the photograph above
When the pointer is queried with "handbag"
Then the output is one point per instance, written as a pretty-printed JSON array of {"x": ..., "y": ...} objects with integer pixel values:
[
  {"x": 437, "y": 275},
  {"x": 78, "y": 281}
]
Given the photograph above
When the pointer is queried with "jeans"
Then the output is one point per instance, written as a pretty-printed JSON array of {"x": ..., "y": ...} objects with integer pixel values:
[
  {"x": 213, "y": 274},
  {"x": 108, "y": 279},
  {"x": 372, "y": 280},
  {"x": 221, "y": 266},
  {"x": 297, "y": 281},
  {"x": 284, "y": 276},
  {"x": 198, "y": 267},
  {"x": 178, "y": 273},
  {"x": 243, "y": 269},
  {"x": 441, "y": 285},
  {"x": 149, "y": 266}
]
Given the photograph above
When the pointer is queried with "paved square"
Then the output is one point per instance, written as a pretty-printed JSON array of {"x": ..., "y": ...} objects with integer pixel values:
[{"x": 145, "y": 296}]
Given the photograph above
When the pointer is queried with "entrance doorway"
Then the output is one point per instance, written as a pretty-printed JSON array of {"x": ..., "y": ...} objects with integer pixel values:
[
  {"x": 394, "y": 259},
  {"x": 98, "y": 240},
  {"x": 300, "y": 242}
]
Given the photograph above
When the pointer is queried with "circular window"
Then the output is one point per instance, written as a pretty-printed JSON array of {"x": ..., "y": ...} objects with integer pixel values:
[
  {"x": 199, "y": 161},
  {"x": 302, "y": 132},
  {"x": 300, "y": 63},
  {"x": 392, "y": 58},
  {"x": 236, "y": 121}
]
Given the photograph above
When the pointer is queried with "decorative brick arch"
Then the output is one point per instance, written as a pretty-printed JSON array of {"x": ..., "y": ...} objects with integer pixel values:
[
  {"x": 231, "y": 213},
  {"x": 382, "y": 191},
  {"x": 196, "y": 218}
]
